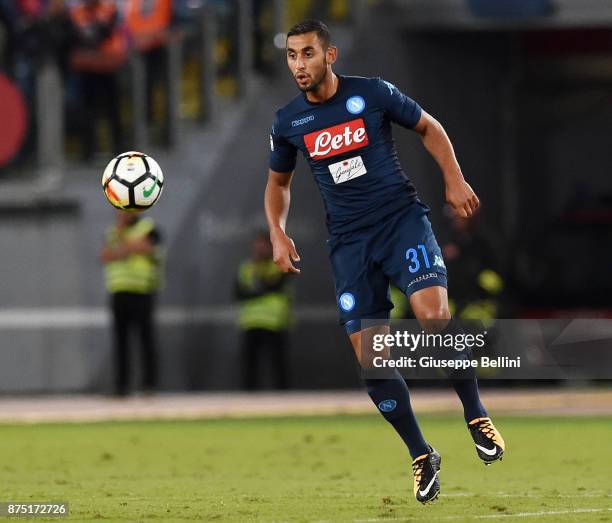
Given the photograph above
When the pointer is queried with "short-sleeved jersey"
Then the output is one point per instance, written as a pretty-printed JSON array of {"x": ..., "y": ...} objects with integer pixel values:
[{"x": 348, "y": 143}]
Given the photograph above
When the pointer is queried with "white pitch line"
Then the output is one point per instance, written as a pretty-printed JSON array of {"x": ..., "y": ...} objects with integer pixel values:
[
  {"x": 544, "y": 513},
  {"x": 507, "y": 495},
  {"x": 494, "y": 516}
]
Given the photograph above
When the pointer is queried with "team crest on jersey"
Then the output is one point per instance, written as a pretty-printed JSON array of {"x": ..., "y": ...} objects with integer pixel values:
[
  {"x": 347, "y": 302},
  {"x": 338, "y": 139},
  {"x": 355, "y": 105}
]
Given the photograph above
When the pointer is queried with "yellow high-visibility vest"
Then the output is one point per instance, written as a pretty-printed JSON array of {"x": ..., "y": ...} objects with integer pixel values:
[
  {"x": 400, "y": 304},
  {"x": 270, "y": 311},
  {"x": 138, "y": 273}
]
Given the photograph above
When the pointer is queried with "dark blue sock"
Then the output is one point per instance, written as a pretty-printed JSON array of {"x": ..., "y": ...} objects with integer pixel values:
[
  {"x": 465, "y": 383},
  {"x": 393, "y": 401},
  {"x": 467, "y": 390}
]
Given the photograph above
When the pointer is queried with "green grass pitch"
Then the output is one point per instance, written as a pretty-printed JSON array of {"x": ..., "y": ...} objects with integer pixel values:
[{"x": 346, "y": 468}]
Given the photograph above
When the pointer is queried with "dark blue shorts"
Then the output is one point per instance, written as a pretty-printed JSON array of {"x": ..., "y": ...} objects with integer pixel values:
[{"x": 402, "y": 249}]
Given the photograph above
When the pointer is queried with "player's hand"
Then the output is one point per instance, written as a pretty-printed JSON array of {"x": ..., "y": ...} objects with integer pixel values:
[
  {"x": 284, "y": 253},
  {"x": 462, "y": 198}
]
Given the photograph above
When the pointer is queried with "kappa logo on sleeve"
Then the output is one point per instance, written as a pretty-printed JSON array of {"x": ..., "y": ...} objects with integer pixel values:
[
  {"x": 439, "y": 261},
  {"x": 336, "y": 140}
]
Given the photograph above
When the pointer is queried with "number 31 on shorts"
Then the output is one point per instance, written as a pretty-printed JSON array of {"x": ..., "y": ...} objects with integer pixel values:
[{"x": 412, "y": 255}]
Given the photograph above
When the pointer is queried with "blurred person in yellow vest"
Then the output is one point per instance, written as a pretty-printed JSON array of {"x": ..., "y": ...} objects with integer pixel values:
[
  {"x": 264, "y": 314},
  {"x": 472, "y": 263},
  {"x": 132, "y": 262},
  {"x": 401, "y": 306}
]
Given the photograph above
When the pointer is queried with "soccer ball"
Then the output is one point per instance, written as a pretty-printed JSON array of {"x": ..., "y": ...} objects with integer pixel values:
[{"x": 132, "y": 181}]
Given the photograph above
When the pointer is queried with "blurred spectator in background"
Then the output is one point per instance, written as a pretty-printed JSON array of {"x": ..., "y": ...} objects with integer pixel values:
[
  {"x": 265, "y": 311},
  {"x": 265, "y": 54},
  {"x": 25, "y": 44},
  {"x": 101, "y": 50},
  {"x": 60, "y": 32},
  {"x": 473, "y": 269},
  {"x": 35, "y": 31},
  {"x": 132, "y": 258},
  {"x": 148, "y": 22}
]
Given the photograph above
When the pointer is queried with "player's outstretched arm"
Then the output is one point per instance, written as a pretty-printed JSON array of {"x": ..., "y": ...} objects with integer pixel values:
[
  {"x": 458, "y": 192},
  {"x": 277, "y": 200}
]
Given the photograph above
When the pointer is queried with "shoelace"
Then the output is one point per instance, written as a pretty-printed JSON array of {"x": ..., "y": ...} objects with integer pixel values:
[
  {"x": 417, "y": 469},
  {"x": 487, "y": 428}
]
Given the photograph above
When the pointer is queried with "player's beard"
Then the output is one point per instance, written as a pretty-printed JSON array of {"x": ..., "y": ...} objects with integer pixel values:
[{"x": 316, "y": 81}]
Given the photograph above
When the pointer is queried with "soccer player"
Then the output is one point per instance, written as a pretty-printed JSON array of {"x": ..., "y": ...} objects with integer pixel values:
[{"x": 380, "y": 231}]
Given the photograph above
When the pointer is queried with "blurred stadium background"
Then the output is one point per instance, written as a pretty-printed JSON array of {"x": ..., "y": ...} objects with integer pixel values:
[{"x": 523, "y": 88}]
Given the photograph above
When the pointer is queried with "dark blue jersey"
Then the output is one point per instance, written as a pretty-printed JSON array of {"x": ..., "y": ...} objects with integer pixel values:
[{"x": 348, "y": 143}]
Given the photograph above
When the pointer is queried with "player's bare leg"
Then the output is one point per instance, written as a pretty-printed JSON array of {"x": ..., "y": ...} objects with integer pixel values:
[
  {"x": 392, "y": 399},
  {"x": 430, "y": 307},
  {"x": 362, "y": 343}
]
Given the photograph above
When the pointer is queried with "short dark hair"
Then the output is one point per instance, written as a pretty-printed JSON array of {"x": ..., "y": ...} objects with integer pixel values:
[{"x": 312, "y": 26}]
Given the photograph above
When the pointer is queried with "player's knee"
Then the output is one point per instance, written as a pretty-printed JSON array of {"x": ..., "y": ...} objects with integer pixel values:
[
  {"x": 434, "y": 319},
  {"x": 434, "y": 313}
]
